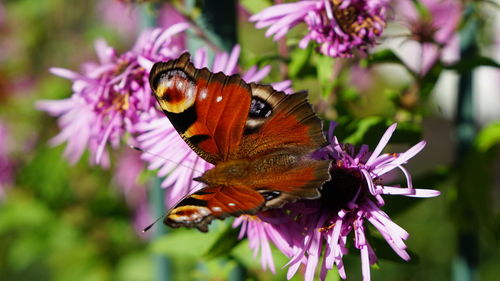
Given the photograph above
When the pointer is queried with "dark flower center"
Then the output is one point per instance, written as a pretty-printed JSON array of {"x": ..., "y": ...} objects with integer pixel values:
[
  {"x": 342, "y": 188},
  {"x": 423, "y": 31}
]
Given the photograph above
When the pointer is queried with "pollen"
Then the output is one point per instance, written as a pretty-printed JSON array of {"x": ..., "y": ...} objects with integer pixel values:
[{"x": 354, "y": 21}]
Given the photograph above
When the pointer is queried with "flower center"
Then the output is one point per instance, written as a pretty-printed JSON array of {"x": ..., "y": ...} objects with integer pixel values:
[
  {"x": 121, "y": 102},
  {"x": 342, "y": 188},
  {"x": 423, "y": 31},
  {"x": 353, "y": 19}
]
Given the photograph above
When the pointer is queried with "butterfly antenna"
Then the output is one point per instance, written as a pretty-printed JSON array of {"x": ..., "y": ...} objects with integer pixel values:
[
  {"x": 151, "y": 225},
  {"x": 159, "y": 156}
]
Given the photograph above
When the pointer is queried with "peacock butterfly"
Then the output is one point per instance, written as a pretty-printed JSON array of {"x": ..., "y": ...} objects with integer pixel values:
[{"x": 259, "y": 140}]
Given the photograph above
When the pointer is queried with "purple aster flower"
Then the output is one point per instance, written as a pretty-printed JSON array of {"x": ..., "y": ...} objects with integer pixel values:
[
  {"x": 258, "y": 235},
  {"x": 260, "y": 230},
  {"x": 432, "y": 27},
  {"x": 339, "y": 27},
  {"x": 165, "y": 149},
  {"x": 110, "y": 95},
  {"x": 317, "y": 232}
]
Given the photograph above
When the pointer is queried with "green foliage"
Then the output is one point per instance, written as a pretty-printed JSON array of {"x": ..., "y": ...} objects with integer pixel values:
[
  {"x": 488, "y": 137},
  {"x": 222, "y": 246},
  {"x": 254, "y": 6},
  {"x": 299, "y": 60}
]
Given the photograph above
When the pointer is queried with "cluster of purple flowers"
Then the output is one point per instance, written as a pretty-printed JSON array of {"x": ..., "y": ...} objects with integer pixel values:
[
  {"x": 340, "y": 27},
  {"x": 110, "y": 96}
]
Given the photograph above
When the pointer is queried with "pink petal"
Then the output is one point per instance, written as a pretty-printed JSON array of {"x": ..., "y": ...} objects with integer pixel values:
[{"x": 382, "y": 143}]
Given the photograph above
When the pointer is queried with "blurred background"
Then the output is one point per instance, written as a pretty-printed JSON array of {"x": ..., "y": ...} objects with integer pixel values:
[{"x": 62, "y": 221}]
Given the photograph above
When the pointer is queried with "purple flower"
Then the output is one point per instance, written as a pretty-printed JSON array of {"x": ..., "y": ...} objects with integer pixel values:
[
  {"x": 258, "y": 235},
  {"x": 318, "y": 231},
  {"x": 339, "y": 27},
  {"x": 432, "y": 25},
  {"x": 109, "y": 96},
  {"x": 165, "y": 149}
]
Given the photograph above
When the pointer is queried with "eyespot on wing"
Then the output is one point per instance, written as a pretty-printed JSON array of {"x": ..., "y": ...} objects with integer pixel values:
[{"x": 175, "y": 90}]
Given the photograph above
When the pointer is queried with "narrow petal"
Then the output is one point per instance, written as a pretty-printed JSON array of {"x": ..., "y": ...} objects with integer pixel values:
[{"x": 382, "y": 143}]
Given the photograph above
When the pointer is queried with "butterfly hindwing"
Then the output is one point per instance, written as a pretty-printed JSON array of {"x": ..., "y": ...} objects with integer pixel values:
[{"x": 201, "y": 207}]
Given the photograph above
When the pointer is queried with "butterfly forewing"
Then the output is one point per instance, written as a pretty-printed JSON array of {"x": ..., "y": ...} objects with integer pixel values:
[{"x": 208, "y": 110}]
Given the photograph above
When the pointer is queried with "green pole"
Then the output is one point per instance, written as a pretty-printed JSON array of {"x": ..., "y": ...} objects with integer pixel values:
[
  {"x": 464, "y": 265},
  {"x": 161, "y": 264},
  {"x": 156, "y": 194}
]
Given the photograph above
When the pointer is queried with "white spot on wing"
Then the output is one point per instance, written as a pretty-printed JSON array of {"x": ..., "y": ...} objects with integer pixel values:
[
  {"x": 231, "y": 204},
  {"x": 218, "y": 99},
  {"x": 190, "y": 92},
  {"x": 180, "y": 84},
  {"x": 203, "y": 94},
  {"x": 216, "y": 209},
  {"x": 169, "y": 83}
]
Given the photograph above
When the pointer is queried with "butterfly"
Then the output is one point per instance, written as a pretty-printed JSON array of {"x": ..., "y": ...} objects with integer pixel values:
[{"x": 259, "y": 140}]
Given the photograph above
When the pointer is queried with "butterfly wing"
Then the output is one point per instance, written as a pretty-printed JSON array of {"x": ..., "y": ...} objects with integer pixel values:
[
  {"x": 287, "y": 122},
  {"x": 208, "y": 110},
  {"x": 201, "y": 207},
  {"x": 224, "y": 119}
]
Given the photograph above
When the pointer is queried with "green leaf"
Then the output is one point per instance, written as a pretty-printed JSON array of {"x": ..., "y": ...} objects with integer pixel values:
[
  {"x": 383, "y": 56},
  {"x": 255, "y": 6},
  {"x": 325, "y": 74},
  {"x": 467, "y": 63},
  {"x": 299, "y": 59},
  {"x": 135, "y": 267},
  {"x": 224, "y": 243},
  {"x": 184, "y": 243},
  {"x": 488, "y": 137},
  {"x": 361, "y": 129}
]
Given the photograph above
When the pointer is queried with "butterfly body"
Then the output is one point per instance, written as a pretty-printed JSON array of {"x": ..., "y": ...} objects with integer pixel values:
[{"x": 258, "y": 139}]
